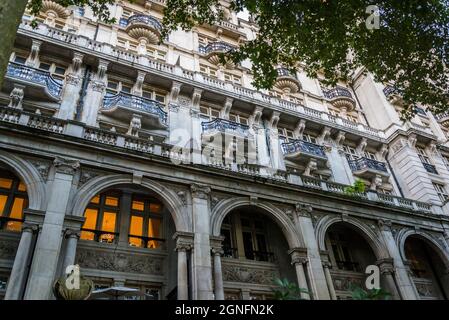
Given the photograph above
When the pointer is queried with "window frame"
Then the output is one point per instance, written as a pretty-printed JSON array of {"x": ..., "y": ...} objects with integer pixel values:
[{"x": 11, "y": 195}]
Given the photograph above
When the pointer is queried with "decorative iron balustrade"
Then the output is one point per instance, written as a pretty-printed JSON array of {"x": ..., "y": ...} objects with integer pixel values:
[
  {"x": 141, "y": 18},
  {"x": 390, "y": 90},
  {"x": 305, "y": 147},
  {"x": 443, "y": 115},
  {"x": 366, "y": 163},
  {"x": 219, "y": 46},
  {"x": 223, "y": 125},
  {"x": 284, "y": 72},
  {"x": 36, "y": 76},
  {"x": 430, "y": 168},
  {"x": 337, "y": 93},
  {"x": 135, "y": 102}
]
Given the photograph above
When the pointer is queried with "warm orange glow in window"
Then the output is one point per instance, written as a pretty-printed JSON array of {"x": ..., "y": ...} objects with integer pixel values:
[
  {"x": 95, "y": 199},
  {"x": 16, "y": 213},
  {"x": 22, "y": 187},
  {"x": 5, "y": 183},
  {"x": 2, "y": 203},
  {"x": 135, "y": 229},
  {"x": 89, "y": 223},
  {"x": 138, "y": 205},
  {"x": 112, "y": 201},
  {"x": 154, "y": 231},
  {"x": 155, "y": 208},
  {"x": 109, "y": 226}
]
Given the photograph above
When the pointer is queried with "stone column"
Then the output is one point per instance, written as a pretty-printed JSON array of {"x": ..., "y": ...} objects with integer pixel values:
[
  {"x": 327, "y": 273},
  {"x": 196, "y": 133},
  {"x": 17, "y": 278},
  {"x": 401, "y": 273},
  {"x": 48, "y": 246},
  {"x": 72, "y": 237},
  {"x": 95, "y": 91},
  {"x": 72, "y": 89},
  {"x": 386, "y": 267},
  {"x": 183, "y": 245},
  {"x": 217, "y": 253},
  {"x": 317, "y": 279},
  {"x": 299, "y": 259},
  {"x": 202, "y": 269}
]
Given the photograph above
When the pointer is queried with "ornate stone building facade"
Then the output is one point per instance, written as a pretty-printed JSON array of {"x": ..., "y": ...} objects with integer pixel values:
[{"x": 106, "y": 162}]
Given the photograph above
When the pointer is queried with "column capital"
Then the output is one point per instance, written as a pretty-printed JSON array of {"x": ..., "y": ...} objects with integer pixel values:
[
  {"x": 200, "y": 191},
  {"x": 217, "y": 252},
  {"x": 386, "y": 265},
  {"x": 298, "y": 255},
  {"x": 29, "y": 227},
  {"x": 71, "y": 233},
  {"x": 66, "y": 166},
  {"x": 384, "y": 224},
  {"x": 303, "y": 210},
  {"x": 184, "y": 241}
]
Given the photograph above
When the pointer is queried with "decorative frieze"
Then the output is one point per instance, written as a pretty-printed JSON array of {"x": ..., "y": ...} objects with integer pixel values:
[
  {"x": 42, "y": 166},
  {"x": 119, "y": 262},
  {"x": 249, "y": 275},
  {"x": 88, "y": 174},
  {"x": 200, "y": 191},
  {"x": 66, "y": 166}
]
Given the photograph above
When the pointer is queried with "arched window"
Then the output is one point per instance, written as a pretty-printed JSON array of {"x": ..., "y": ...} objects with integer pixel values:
[
  {"x": 143, "y": 218},
  {"x": 13, "y": 200}
]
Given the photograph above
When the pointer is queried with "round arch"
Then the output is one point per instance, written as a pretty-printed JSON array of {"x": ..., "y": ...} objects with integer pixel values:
[
  {"x": 30, "y": 177},
  {"x": 404, "y": 234},
  {"x": 367, "y": 233},
  {"x": 224, "y": 207},
  {"x": 169, "y": 197}
]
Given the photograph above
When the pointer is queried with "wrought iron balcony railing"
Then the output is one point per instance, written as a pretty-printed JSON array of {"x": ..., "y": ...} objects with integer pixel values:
[
  {"x": 305, "y": 147},
  {"x": 44, "y": 78},
  {"x": 134, "y": 102},
  {"x": 219, "y": 46},
  {"x": 390, "y": 90},
  {"x": 441, "y": 116},
  {"x": 284, "y": 72},
  {"x": 430, "y": 168},
  {"x": 222, "y": 125},
  {"x": 337, "y": 93},
  {"x": 366, "y": 163},
  {"x": 141, "y": 19}
]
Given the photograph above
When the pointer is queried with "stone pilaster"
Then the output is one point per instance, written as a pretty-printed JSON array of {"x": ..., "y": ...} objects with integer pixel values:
[
  {"x": 317, "y": 278},
  {"x": 184, "y": 244},
  {"x": 48, "y": 246},
  {"x": 202, "y": 268},
  {"x": 217, "y": 253},
  {"x": 386, "y": 267},
  {"x": 327, "y": 265},
  {"x": 299, "y": 261},
  {"x": 72, "y": 237},
  {"x": 72, "y": 87}
]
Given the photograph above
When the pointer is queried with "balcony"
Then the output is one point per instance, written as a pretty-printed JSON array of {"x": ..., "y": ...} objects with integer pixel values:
[
  {"x": 286, "y": 81},
  {"x": 340, "y": 98},
  {"x": 122, "y": 106},
  {"x": 223, "y": 126},
  {"x": 393, "y": 95},
  {"x": 143, "y": 26},
  {"x": 430, "y": 168},
  {"x": 213, "y": 50},
  {"x": 300, "y": 151},
  {"x": 368, "y": 168},
  {"x": 38, "y": 83},
  {"x": 443, "y": 119}
]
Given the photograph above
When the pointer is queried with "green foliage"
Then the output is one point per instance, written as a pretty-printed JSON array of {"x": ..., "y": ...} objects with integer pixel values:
[
  {"x": 410, "y": 49},
  {"x": 357, "y": 293},
  {"x": 287, "y": 290},
  {"x": 357, "y": 188}
]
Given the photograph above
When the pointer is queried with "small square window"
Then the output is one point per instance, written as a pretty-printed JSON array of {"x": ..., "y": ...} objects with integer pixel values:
[
  {"x": 60, "y": 70},
  {"x": 20, "y": 60},
  {"x": 44, "y": 66}
]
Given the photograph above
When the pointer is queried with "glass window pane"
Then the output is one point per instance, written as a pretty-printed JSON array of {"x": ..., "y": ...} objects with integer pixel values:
[
  {"x": 17, "y": 208},
  {"x": 86, "y": 235},
  {"x": 136, "y": 226},
  {"x": 155, "y": 207},
  {"x": 112, "y": 201},
  {"x": 95, "y": 199},
  {"x": 91, "y": 219},
  {"x": 135, "y": 242},
  {"x": 22, "y": 187},
  {"x": 138, "y": 205},
  {"x": 14, "y": 226},
  {"x": 108, "y": 222},
  {"x": 3, "y": 199},
  {"x": 154, "y": 231},
  {"x": 5, "y": 183}
]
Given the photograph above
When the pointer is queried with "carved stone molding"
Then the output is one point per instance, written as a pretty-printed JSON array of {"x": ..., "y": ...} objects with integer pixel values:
[
  {"x": 66, "y": 166},
  {"x": 88, "y": 174},
  {"x": 298, "y": 255},
  {"x": 200, "y": 191},
  {"x": 42, "y": 166},
  {"x": 303, "y": 210},
  {"x": 216, "y": 198},
  {"x": 73, "y": 79},
  {"x": 249, "y": 275},
  {"x": 71, "y": 233},
  {"x": 384, "y": 225},
  {"x": 29, "y": 227},
  {"x": 183, "y": 240},
  {"x": 386, "y": 265},
  {"x": 119, "y": 262}
]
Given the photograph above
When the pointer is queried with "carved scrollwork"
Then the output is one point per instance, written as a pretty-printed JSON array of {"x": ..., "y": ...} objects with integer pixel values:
[{"x": 249, "y": 275}]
